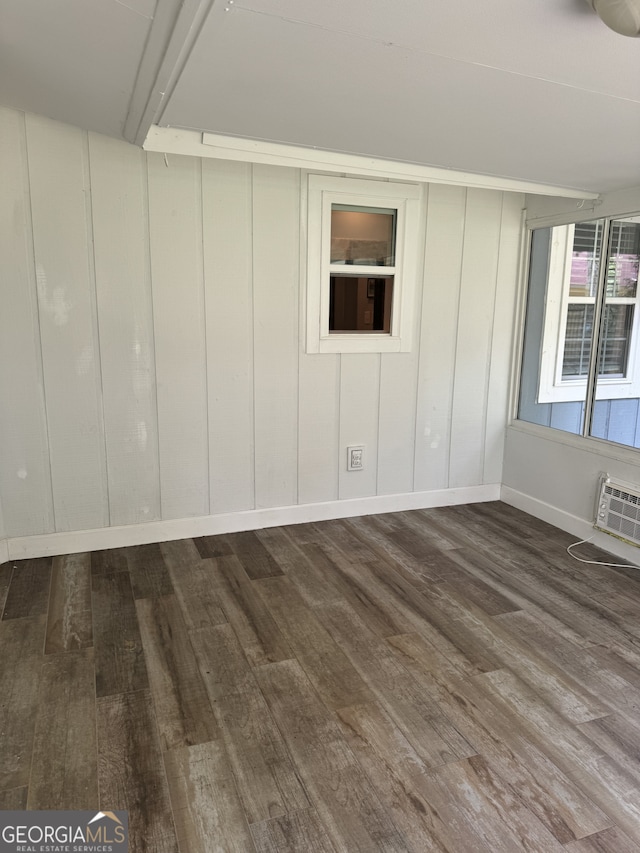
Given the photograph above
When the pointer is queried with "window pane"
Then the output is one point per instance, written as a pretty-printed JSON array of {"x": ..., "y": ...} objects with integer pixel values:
[
  {"x": 587, "y": 240},
  {"x": 577, "y": 342},
  {"x": 616, "y": 339},
  {"x": 567, "y": 415},
  {"x": 360, "y": 304},
  {"x": 616, "y": 411},
  {"x": 363, "y": 235},
  {"x": 624, "y": 254}
]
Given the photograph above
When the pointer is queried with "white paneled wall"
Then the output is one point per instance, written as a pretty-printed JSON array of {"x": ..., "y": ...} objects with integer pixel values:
[{"x": 151, "y": 357}]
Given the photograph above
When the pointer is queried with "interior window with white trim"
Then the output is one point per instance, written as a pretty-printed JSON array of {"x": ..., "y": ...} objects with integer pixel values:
[{"x": 361, "y": 270}]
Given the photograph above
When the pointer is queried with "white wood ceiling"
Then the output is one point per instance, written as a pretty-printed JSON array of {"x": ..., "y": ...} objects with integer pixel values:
[{"x": 537, "y": 90}]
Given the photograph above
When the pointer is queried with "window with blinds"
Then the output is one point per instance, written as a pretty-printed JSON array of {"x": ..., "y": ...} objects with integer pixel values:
[{"x": 621, "y": 286}]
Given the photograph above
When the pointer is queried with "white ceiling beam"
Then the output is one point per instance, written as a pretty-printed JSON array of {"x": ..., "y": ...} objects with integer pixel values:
[
  {"x": 169, "y": 140},
  {"x": 174, "y": 30}
]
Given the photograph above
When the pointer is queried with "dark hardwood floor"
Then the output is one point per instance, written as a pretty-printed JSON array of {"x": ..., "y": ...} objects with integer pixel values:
[{"x": 445, "y": 679}]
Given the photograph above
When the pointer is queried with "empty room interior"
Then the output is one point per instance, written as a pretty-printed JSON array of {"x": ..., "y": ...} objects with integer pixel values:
[{"x": 320, "y": 423}]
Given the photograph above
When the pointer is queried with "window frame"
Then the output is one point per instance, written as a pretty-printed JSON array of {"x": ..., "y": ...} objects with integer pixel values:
[
  {"x": 553, "y": 387},
  {"x": 322, "y": 193}
]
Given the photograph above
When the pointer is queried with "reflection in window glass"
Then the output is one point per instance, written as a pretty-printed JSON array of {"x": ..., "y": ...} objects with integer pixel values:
[
  {"x": 624, "y": 254},
  {"x": 577, "y": 340},
  {"x": 567, "y": 415},
  {"x": 616, "y": 340},
  {"x": 363, "y": 235},
  {"x": 360, "y": 304},
  {"x": 585, "y": 257}
]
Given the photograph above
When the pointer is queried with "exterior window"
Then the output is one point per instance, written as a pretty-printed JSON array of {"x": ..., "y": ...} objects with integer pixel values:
[
  {"x": 361, "y": 265},
  {"x": 573, "y": 288},
  {"x": 581, "y": 354}
]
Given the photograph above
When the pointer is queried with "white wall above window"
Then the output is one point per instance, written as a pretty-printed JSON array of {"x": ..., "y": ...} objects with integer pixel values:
[{"x": 401, "y": 269}]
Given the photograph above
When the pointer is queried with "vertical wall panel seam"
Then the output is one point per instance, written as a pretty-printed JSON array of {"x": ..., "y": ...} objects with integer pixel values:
[
  {"x": 299, "y": 328},
  {"x": 457, "y": 332},
  {"x": 37, "y": 330},
  {"x": 421, "y": 331},
  {"x": 205, "y": 331},
  {"x": 252, "y": 323},
  {"x": 96, "y": 325},
  {"x": 417, "y": 325},
  {"x": 302, "y": 307},
  {"x": 380, "y": 357},
  {"x": 340, "y": 461},
  {"x": 490, "y": 356},
  {"x": 145, "y": 179}
]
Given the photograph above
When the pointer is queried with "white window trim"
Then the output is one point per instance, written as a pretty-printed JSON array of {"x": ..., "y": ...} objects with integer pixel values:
[
  {"x": 553, "y": 388},
  {"x": 405, "y": 198}
]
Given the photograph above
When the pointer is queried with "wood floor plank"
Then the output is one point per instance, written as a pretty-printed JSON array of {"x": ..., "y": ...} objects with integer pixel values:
[
  {"x": 292, "y": 833},
  {"x": 305, "y": 565},
  {"x": 610, "y": 841},
  {"x": 15, "y": 799},
  {"x": 415, "y": 520},
  {"x": 367, "y": 728},
  {"x": 425, "y": 821},
  {"x": 619, "y": 738},
  {"x": 223, "y": 665},
  {"x": 349, "y": 580},
  {"x": 206, "y": 807},
  {"x": 495, "y": 732},
  {"x": 385, "y": 548},
  {"x": 435, "y": 680},
  {"x": 191, "y": 578},
  {"x": 324, "y": 662},
  {"x": 346, "y": 802},
  {"x": 119, "y": 657},
  {"x": 108, "y": 561},
  {"x": 182, "y": 706},
  {"x": 602, "y": 779},
  {"x": 212, "y": 546},
  {"x": 561, "y": 688},
  {"x": 69, "y": 621},
  {"x": 492, "y": 810},
  {"x": 427, "y": 617},
  {"x": 64, "y": 773},
  {"x": 131, "y": 773},
  {"x": 483, "y": 595},
  {"x": 6, "y": 570},
  {"x": 28, "y": 593},
  {"x": 268, "y": 783},
  {"x": 428, "y": 730},
  {"x": 257, "y": 561},
  {"x": 149, "y": 574},
  {"x": 21, "y": 641},
  {"x": 259, "y": 636}
]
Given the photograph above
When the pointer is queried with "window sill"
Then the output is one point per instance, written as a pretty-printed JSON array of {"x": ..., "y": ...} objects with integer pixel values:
[{"x": 606, "y": 449}]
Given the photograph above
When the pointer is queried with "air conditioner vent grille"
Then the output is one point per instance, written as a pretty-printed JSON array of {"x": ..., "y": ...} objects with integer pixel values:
[{"x": 619, "y": 510}]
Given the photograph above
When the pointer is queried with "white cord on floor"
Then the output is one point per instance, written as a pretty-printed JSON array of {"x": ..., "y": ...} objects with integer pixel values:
[{"x": 598, "y": 562}]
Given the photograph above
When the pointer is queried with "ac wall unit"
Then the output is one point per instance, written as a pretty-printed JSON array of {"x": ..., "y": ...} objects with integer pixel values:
[{"x": 618, "y": 509}]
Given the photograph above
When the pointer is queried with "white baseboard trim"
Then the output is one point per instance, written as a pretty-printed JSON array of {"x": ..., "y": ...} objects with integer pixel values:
[
  {"x": 578, "y": 527},
  {"x": 4, "y": 551},
  {"x": 75, "y": 541}
]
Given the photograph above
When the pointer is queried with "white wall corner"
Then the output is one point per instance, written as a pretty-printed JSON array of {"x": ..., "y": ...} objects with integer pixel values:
[
  {"x": 581, "y": 528},
  {"x": 27, "y": 547}
]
